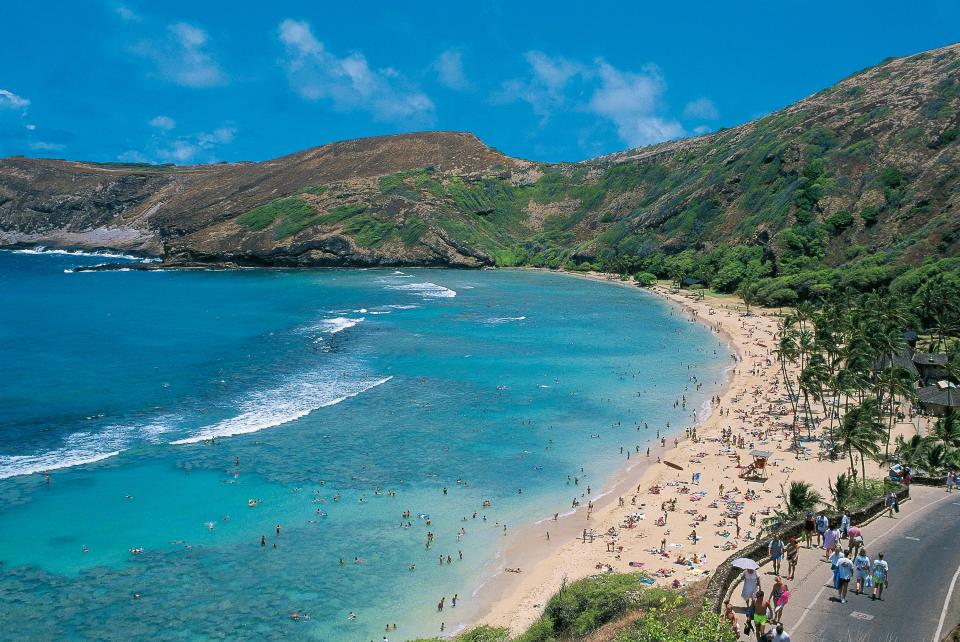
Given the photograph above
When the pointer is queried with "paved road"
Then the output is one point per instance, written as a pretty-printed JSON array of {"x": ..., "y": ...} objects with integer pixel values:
[{"x": 923, "y": 548}]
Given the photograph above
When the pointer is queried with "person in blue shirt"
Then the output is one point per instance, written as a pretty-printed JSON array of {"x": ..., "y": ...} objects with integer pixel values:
[{"x": 844, "y": 523}]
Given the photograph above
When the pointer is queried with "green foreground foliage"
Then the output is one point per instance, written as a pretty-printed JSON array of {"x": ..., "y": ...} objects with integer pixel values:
[{"x": 584, "y": 606}]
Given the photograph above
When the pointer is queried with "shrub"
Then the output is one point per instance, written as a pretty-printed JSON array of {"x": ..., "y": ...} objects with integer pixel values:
[
  {"x": 665, "y": 624},
  {"x": 839, "y": 221},
  {"x": 645, "y": 279},
  {"x": 586, "y": 605},
  {"x": 870, "y": 214}
]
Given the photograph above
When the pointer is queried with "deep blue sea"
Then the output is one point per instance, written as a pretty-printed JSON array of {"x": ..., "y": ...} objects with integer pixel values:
[{"x": 182, "y": 416}]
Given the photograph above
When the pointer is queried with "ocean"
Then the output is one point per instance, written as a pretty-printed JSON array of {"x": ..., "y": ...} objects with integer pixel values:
[{"x": 184, "y": 417}]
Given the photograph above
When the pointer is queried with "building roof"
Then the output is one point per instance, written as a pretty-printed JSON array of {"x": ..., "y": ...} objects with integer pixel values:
[
  {"x": 929, "y": 359},
  {"x": 899, "y": 360},
  {"x": 942, "y": 393}
]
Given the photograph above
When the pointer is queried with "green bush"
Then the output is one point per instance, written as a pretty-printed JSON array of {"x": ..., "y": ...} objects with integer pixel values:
[
  {"x": 870, "y": 215},
  {"x": 585, "y": 605},
  {"x": 645, "y": 279},
  {"x": 839, "y": 221},
  {"x": 665, "y": 624}
]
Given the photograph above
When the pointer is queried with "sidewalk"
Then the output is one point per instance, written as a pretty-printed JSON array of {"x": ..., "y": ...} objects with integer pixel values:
[{"x": 813, "y": 613}]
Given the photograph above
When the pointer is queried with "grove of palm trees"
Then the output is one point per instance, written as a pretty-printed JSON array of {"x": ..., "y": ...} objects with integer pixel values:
[{"x": 873, "y": 377}]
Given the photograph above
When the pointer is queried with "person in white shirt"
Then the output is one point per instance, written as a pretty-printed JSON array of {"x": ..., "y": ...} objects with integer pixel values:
[{"x": 779, "y": 635}]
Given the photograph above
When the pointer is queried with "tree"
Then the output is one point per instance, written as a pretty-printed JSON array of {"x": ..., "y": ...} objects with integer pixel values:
[
  {"x": 937, "y": 457},
  {"x": 861, "y": 430},
  {"x": 645, "y": 279},
  {"x": 799, "y": 500},
  {"x": 947, "y": 428},
  {"x": 910, "y": 452},
  {"x": 841, "y": 492},
  {"x": 896, "y": 382}
]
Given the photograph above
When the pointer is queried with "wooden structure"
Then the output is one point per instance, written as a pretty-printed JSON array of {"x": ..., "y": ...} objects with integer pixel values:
[{"x": 756, "y": 469}]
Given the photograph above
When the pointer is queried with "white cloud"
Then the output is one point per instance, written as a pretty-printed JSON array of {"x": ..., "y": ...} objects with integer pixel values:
[
  {"x": 30, "y": 126},
  {"x": 9, "y": 100},
  {"x": 178, "y": 151},
  {"x": 162, "y": 122},
  {"x": 348, "y": 82},
  {"x": 166, "y": 147},
  {"x": 221, "y": 136},
  {"x": 133, "y": 156},
  {"x": 631, "y": 101},
  {"x": 449, "y": 68},
  {"x": 126, "y": 13},
  {"x": 545, "y": 89},
  {"x": 46, "y": 147},
  {"x": 181, "y": 55},
  {"x": 198, "y": 147},
  {"x": 701, "y": 130},
  {"x": 701, "y": 108}
]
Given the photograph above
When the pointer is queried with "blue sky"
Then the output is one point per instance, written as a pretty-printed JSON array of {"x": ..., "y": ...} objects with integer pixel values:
[{"x": 189, "y": 82}]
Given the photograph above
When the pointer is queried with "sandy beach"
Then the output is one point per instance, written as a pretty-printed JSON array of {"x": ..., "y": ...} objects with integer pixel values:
[{"x": 650, "y": 505}]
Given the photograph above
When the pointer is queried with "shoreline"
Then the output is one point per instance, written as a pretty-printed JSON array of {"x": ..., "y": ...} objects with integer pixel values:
[{"x": 516, "y": 600}]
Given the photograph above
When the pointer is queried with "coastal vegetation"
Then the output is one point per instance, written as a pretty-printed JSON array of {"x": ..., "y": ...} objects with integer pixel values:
[
  {"x": 856, "y": 366},
  {"x": 636, "y": 612}
]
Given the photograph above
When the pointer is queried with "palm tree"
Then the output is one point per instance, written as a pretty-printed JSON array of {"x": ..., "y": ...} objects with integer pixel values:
[
  {"x": 896, "y": 382},
  {"x": 861, "y": 430},
  {"x": 787, "y": 352},
  {"x": 799, "y": 500},
  {"x": 910, "y": 452},
  {"x": 947, "y": 428},
  {"x": 937, "y": 457},
  {"x": 841, "y": 492}
]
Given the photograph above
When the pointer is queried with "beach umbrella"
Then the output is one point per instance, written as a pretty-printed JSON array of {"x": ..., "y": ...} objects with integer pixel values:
[{"x": 744, "y": 563}]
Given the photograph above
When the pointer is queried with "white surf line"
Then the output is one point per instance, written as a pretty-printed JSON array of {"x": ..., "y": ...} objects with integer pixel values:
[
  {"x": 946, "y": 606},
  {"x": 816, "y": 598}
]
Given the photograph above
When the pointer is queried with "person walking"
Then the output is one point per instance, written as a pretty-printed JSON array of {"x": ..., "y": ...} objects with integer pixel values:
[
  {"x": 779, "y": 595},
  {"x": 751, "y": 584},
  {"x": 844, "y": 573},
  {"x": 844, "y": 523},
  {"x": 891, "y": 503},
  {"x": 881, "y": 577},
  {"x": 861, "y": 569},
  {"x": 809, "y": 526},
  {"x": 831, "y": 540},
  {"x": 775, "y": 549},
  {"x": 730, "y": 616},
  {"x": 822, "y": 524},
  {"x": 780, "y": 635},
  {"x": 793, "y": 555},
  {"x": 854, "y": 541},
  {"x": 761, "y": 614},
  {"x": 834, "y": 558}
]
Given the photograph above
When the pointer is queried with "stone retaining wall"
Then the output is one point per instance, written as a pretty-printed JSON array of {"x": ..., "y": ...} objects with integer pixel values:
[{"x": 726, "y": 574}]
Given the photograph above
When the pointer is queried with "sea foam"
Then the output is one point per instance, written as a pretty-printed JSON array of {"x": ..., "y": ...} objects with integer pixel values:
[
  {"x": 271, "y": 408},
  {"x": 426, "y": 289},
  {"x": 102, "y": 254},
  {"x": 338, "y": 324}
]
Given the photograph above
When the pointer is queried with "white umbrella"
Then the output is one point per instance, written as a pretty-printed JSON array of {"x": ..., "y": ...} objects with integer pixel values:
[{"x": 743, "y": 562}]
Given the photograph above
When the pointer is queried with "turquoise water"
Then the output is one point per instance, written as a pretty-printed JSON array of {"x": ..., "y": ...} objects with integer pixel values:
[{"x": 338, "y": 400}]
